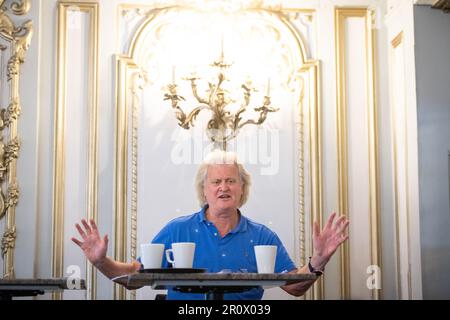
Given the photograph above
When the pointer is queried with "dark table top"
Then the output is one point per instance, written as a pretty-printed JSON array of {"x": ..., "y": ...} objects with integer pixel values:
[
  {"x": 164, "y": 280},
  {"x": 32, "y": 287}
]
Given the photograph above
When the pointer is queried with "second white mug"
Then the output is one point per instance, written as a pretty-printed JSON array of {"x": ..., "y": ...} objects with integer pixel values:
[
  {"x": 265, "y": 258},
  {"x": 183, "y": 254}
]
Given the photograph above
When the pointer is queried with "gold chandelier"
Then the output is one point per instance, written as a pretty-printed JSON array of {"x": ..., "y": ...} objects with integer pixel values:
[{"x": 224, "y": 124}]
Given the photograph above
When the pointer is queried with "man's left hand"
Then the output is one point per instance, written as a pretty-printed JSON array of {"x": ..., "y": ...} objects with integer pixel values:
[{"x": 325, "y": 243}]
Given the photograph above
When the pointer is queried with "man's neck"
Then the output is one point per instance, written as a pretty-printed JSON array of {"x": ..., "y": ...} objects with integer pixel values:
[{"x": 225, "y": 220}]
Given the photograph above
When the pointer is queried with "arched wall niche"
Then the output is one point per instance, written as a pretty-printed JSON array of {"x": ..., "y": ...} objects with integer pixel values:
[{"x": 148, "y": 140}]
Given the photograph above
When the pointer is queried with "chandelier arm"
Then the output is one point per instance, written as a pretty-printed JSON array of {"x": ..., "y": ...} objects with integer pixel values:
[
  {"x": 242, "y": 109},
  {"x": 192, "y": 116},
  {"x": 231, "y": 136},
  {"x": 248, "y": 122},
  {"x": 195, "y": 93},
  {"x": 212, "y": 94},
  {"x": 247, "y": 95},
  {"x": 221, "y": 79},
  {"x": 181, "y": 117},
  {"x": 215, "y": 90},
  {"x": 262, "y": 115},
  {"x": 237, "y": 118}
]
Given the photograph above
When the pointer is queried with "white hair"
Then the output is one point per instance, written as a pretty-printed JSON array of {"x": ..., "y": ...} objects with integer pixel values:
[{"x": 221, "y": 157}]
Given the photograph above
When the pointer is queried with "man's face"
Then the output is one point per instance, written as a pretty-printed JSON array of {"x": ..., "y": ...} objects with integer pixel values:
[{"x": 223, "y": 187}]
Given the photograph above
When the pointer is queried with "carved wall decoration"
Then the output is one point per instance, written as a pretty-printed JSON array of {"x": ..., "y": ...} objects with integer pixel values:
[
  {"x": 8, "y": 240},
  {"x": 17, "y": 39}
]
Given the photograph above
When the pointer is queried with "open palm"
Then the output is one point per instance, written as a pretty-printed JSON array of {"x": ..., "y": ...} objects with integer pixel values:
[
  {"x": 326, "y": 242},
  {"x": 93, "y": 246}
]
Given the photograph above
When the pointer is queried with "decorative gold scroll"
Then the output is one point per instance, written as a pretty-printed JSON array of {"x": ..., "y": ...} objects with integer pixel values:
[{"x": 18, "y": 38}]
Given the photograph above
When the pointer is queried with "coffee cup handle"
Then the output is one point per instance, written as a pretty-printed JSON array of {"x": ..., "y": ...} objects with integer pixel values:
[{"x": 168, "y": 251}]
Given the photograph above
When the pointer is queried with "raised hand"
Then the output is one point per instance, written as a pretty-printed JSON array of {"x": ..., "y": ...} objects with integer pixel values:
[
  {"x": 325, "y": 243},
  {"x": 93, "y": 246}
]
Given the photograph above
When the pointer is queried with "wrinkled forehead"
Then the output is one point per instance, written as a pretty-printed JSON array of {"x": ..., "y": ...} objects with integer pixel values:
[{"x": 222, "y": 171}]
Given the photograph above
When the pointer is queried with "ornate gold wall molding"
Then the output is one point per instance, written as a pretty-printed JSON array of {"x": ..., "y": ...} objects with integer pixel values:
[
  {"x": 128, "y": 70},
  {"x": 20, "y": 7},
  {"x": 301, "y": 176},
  {"x": 18, "y": 38},
  {"x": 341, "y": 14},
  {"x": 309, "y": 74},
  {"x": 90, "y": 8},
  {"x": 312, "y": 71}
]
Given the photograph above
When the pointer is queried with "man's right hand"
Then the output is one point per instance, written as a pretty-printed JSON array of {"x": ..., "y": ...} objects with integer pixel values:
[{"x": 93, "y": 246}]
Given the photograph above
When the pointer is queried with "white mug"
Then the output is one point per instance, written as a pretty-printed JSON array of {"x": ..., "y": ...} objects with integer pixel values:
[
  {"x": 151, "y": 255},
  {"x": 265, "y": 258},
  {"x": 183, "y": 254}
]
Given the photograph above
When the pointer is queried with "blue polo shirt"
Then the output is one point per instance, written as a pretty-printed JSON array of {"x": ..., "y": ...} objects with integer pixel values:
[{"x": 212, "y": 252}]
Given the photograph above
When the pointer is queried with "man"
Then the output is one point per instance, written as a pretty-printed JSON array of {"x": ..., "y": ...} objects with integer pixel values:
[{"x": 224, "y": 237}]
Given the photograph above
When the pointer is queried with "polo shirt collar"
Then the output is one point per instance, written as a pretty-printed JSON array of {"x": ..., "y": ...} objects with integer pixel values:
[
  {"x": 241, "y": 227},
  {"x": 202, "y": 213}
]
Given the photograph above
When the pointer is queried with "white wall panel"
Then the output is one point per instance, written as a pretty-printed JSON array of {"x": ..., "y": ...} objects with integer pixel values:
[
  {"x": 400, "y": 165},
  {"x": 75, "y": 175},
  {"x": 358, "y": 155},
  {"x": 76, "y": 139},
  {"x": 402, "y": 92},
  {"x": 357, "y": 144}
]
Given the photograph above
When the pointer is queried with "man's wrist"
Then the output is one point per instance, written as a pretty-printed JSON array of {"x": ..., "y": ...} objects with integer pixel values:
[
  {"x": 317, "y": 263},
  {"x": 100, "y": 263}
]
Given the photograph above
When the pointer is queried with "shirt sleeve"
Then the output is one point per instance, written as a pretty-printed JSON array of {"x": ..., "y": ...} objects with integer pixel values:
[
  {"x": 283, "y": 261},
  {"x": 165, "y": 237}
]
